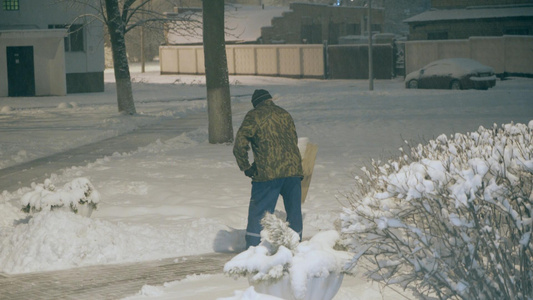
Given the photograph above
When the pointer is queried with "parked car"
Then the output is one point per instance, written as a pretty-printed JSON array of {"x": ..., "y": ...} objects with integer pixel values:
[{"x": 452, "y": 73}]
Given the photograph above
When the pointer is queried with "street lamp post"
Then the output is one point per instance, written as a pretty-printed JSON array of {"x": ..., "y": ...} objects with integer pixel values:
[
  {"x": 370, "y": 61},
  {"x": 142, "y": 50}
]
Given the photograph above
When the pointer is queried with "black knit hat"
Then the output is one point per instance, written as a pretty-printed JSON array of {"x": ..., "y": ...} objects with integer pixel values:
[{"x": 260, "y": 96}]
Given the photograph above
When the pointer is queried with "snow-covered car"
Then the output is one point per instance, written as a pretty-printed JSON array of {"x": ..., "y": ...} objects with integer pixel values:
[{"x": 452, "y": 73}]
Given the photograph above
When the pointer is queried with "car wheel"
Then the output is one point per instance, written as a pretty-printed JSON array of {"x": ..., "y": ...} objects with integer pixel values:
[
  {"x": 413, "y": 84},
  {"x": 455, "y": 85}
]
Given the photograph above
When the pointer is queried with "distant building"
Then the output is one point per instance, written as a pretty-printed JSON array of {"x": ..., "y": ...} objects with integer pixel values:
[
  {"x": 449, "y": 4},
  {"x": 315, "y": 23},
  {"x": 48, "y": 49},
  {"x": 396, "y": 11},
  {"x": 300, "y": 23},
  {"x": 243, "y": 24},
  {"x": 461, "y": 19}
]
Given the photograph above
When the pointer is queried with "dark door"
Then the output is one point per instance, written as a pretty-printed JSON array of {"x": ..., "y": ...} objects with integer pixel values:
[
  {"x": 311, "y": 34},
  {"x": 20, "y": 71},
  {"x": 333, "y": 33}
]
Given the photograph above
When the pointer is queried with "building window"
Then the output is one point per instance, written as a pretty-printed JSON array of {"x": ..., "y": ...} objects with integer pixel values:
[
  {"x": 10, "y": 4},
  {"x": 516, "y": 31},
  {"x": 442, "y": 35},
  {"x": 353, "y": 29},
  {"x": 74, "y": 40}
]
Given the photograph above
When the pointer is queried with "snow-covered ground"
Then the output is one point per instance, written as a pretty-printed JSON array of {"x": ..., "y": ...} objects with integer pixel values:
[{"x": 185, "y": 196}]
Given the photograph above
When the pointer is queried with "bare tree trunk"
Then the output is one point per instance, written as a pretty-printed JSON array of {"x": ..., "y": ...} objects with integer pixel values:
[
  {"x": 216, "y": 73},
  {"x": 117, "y": 29}
]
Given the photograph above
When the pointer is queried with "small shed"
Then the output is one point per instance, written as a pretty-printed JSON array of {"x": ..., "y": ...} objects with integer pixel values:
[
  {"x": 32, "y": 62},
  {"x": 62, "y": 44}
]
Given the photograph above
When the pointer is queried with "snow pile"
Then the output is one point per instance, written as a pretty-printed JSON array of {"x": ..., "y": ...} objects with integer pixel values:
[
  {"x": 280, "y": 256},
  {"x": 451, "y": 218},
  {"x": 6, "y": 109},
  {"x": 64, "y": 105},
  {"x": 250, "y": 294},
  {"x": 46, "y": 196},
  {"x": 8, "y": 214},
  {"x": 151, "y": 291},
  {"x": 53, "y": 240}
]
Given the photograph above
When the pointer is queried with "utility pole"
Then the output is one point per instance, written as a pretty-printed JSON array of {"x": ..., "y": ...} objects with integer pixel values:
[
  {"x": 370, "y": 61},
  {"x": 142, "y": 50}
]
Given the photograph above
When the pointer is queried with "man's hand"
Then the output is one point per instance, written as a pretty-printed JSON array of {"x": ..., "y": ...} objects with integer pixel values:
[{"x": 251, "y": 172}]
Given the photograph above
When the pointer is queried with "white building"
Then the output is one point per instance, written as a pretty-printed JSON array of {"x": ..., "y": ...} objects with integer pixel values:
[
  {"x": 46, "y": 48},
  {"x": 243, "y": 24}
]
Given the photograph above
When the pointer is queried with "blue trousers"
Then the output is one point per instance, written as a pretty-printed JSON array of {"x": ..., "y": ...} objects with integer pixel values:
[{"x": 264, "y": 198}]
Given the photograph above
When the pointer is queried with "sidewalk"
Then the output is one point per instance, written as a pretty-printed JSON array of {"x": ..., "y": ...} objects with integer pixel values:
[
  {"x": 22, "y": 175},
  {"x": 15, "y": 177},
  {"x": 107, "y": 281},
  {"x": 103, "y": 281}
]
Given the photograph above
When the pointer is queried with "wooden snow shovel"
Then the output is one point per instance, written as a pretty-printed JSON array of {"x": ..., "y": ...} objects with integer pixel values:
[{"x": 308, "y": 164}]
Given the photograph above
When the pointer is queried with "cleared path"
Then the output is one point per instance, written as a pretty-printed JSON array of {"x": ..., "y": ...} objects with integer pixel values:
[{"x": 107, "y": 281}]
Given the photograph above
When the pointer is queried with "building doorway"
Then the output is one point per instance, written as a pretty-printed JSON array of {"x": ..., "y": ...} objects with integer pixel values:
[{"x": 20, "y": 71}]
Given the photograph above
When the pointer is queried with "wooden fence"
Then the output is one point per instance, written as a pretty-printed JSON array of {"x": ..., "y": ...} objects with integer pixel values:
[
  {"x": 301, "y": 61},
  {"x": 269, "y": 60},
  {"x": 351, "y": 61},
  {"x": 508, "y": 55}
]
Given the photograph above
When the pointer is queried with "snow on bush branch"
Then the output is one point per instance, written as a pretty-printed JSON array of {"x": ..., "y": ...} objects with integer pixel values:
[
  {"x": 450, "y": 219},
  {"x": 46, "y": 196},
  {"x": 280, "y": 255}
]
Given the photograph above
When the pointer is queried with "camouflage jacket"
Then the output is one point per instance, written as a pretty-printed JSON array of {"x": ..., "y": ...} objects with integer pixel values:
[{"x": 271, "y": 132}]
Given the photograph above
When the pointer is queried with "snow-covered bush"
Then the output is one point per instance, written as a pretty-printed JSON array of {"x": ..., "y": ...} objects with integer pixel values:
[
  {"x": 74, "y": 195},
  {"x": 451, "y": 219},
  {"x": 287, "y": 265}
]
